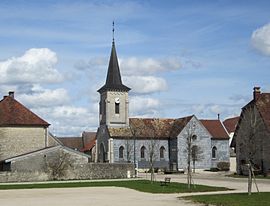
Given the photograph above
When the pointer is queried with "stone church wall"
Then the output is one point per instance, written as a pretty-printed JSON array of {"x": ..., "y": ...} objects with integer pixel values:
[
  {"x": 19, "y": 140},
  {"x": 203, "y": 141},
  {"x": 222, "y": 153},
  {"x": 161, "y": 163}
]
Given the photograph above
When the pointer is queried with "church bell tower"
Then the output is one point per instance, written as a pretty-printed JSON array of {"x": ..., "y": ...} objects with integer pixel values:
[{"x": 113, "y": 105}]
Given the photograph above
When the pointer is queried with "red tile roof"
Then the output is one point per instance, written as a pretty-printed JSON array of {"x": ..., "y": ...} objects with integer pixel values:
[
  {"x": 71, "y": 142},
  {"x": 151, "y": 128},
  {"x": 89, "y": 145},
  {"x": 88, "y": 137},
  {"x": 215, "y": 128},
  {"x": 13, "y": 113},
  {"x": 231, "y": 123},
  {"x": 263, "y": 105}
]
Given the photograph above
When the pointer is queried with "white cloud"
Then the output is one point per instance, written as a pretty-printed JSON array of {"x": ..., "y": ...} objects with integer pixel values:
[
  {"x": 68, "y": 120},
  {"x": 145, "y": 84},
  {"x": 143, "y": 106},
  {"x": 260, "y": 39},
  {"x": 44, "y": 97},
  {"x": 35, "y": 66},
  {"x": 140, "y": 66}
]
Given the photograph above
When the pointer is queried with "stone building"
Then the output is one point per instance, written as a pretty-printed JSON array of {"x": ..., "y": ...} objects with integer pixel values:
[
  {"x": 21, "y": 131},
  {"x": 85, "y": 143},
  {"x": 252, "y": 136},
  {"x": 146, "y": 140},
  {"x": 219, "y": 142}
]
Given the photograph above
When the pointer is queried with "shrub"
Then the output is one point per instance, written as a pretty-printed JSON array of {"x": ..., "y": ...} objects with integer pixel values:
[{"x": 223, "y": 166}]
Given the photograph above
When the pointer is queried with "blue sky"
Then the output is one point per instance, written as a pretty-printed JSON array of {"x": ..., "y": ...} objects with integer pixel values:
[{"x": 179, "y": 57}]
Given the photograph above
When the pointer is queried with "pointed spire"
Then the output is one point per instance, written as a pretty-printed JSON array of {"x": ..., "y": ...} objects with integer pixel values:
[{"x": 113, "y": 80}]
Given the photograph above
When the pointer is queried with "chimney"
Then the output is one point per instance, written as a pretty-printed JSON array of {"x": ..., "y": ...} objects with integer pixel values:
[
  {"x": 11, "y": 94},
  {"x": 218, "y": 116},
  {"x": 256, "y": 93}
]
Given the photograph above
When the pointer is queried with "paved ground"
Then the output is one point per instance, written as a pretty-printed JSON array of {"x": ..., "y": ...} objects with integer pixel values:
[
  {"x": 101, "y": 196},
  {"x": 110, "y": 196}
]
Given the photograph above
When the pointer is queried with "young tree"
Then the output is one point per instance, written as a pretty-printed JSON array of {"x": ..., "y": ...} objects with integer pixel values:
[
  {"x": 153, "y": 145},
  {"x": 189, "y": 143},
  {"x": 129, "y": 147},
  {"x": 196, "y": 155},
  {"x": 250, "y": 144}
]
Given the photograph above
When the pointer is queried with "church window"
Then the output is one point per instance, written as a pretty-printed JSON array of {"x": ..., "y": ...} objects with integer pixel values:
[
  {"x": 161, "y": 152},
  {"x": 142, "y": 152},
  {"x": 117, "y": 109},
  {"x": 121, "y": 152},
  {"x": 214, "y": 152}
]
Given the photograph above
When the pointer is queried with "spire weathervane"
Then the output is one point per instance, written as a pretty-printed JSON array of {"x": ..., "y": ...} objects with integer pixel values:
[{"x": 113, "y": 30}]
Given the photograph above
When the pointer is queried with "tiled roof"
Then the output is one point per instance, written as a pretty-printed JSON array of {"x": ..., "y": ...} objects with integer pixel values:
[
  {"x": 263, "y": 105},
  {"x": 151, "y": 128},
  {"x": 13, "y": 113},
  {"x": 231, "y": 123},
  {"x": 71, "y": 142},
  {"x": 88, "y": 137},
  {"x": 215, "y": 128},
  {"x": 113, "y": 80},
  {"x": 89, "y": 140},
  {"x": 89, "y": 145}
]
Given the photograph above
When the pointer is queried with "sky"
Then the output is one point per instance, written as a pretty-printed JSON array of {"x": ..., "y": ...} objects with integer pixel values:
[{"x": 178, "y": 57}]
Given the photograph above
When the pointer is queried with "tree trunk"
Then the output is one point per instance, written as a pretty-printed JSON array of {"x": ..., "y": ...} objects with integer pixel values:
[{"x": 249, "y": 179}]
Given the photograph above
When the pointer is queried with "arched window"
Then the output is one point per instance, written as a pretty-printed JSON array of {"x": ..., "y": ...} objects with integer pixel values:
[
  {"x": 214, "y": 152},
  {"x": 121, "y": 152},
  {"x": 142, "y": 152},
  {"x": 117, "y": 106},
  {"x": 161, "y": 152}
]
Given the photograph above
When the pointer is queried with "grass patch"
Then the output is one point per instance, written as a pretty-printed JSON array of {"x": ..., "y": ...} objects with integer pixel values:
[
  {"x": 239, "y": 199},
  {"x": 139, "y": 185}
]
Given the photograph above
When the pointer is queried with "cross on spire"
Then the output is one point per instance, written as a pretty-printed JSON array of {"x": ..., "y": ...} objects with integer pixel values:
[{"x": 113, "y": 30}]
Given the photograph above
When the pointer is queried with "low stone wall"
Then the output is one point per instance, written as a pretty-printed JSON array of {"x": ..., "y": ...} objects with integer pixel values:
[
  {"x": 78, "y": 172},
  {"x": 23, "y": 177}
]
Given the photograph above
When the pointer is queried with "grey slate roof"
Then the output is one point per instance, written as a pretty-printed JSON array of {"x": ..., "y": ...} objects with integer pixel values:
[{"x": 113, "y": 81}]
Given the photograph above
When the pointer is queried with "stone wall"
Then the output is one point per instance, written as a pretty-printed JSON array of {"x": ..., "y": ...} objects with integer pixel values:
[
  {"x": 203, "y": 141},
  {"x": 222, "y": 153},
  {"x": 78, "y": 172},
  {"x": 19, "y": 140},
  {"x": 128, "y": 144}
]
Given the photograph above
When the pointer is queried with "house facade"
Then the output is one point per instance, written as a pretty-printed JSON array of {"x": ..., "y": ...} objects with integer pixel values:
[
  {"x": 21, "y": 131},
  {"x": 252, "y": 136},
  {"x": 144, "y": 141}
]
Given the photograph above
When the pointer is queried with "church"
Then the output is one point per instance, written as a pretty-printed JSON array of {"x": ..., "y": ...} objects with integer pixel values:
[{"x": 158, "y": 141}]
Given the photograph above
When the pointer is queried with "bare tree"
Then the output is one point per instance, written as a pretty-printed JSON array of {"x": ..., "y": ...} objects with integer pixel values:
[
  {"x": 129, "y": 147},
  {"x": 153, "y": 146},
  {"x": 58, "y": 164},
  {"x": 196, "y": 155},
  {"x": 250, "y": 144},
  {"x": 189, "y": 143}
]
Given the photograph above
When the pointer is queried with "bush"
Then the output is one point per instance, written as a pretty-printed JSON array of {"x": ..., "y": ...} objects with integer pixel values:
[{"x": 223, "y": 166}]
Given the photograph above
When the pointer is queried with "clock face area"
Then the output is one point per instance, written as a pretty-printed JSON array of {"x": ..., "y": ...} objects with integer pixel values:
[{"x": 117, "y": 100}]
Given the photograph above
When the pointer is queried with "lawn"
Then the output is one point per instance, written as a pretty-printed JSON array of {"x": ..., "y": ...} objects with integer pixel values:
[
  {"x": 239, "y": 199},
  {"x": 139, "y": 185}
]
